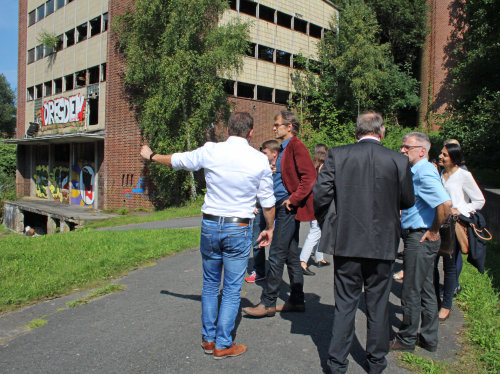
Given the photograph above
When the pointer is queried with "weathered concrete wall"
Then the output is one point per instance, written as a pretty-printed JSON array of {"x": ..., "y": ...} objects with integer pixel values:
[{"x": 491, "y": 211}]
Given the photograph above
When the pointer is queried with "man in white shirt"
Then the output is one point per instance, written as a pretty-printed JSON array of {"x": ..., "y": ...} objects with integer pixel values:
[{"x": 236, "y": 175}]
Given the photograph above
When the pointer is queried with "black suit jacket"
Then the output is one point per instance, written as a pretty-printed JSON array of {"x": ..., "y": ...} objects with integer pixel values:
[{"x": 358, "y": 197}]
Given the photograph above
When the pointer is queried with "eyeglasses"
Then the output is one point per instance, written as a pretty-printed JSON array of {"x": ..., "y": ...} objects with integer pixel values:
[
  {"x": 280, "y": 124},
  {"x": 409, "y": 147}
]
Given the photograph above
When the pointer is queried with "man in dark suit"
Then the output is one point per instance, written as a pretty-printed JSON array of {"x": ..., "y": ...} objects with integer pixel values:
[{"x": 357, "y": 201}]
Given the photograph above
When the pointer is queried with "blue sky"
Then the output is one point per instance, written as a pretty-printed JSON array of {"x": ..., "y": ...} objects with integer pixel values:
[{"x": 8, "y": 29}]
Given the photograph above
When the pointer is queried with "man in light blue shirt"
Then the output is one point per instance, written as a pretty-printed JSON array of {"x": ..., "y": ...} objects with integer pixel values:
[
  {"x": 237, "y": 175},
  {"x": 420, "y": 226}
]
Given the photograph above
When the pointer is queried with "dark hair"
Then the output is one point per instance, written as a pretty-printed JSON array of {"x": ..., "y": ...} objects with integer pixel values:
[
  {"x": 240, "y": 124},
  {"x": 455, "y": 153},
  {"x": 272, "y": 145},
  {"x": 320, "y": 151},
  {"x": 369, "y": 123},
  {"x": 289, "y": 118}
]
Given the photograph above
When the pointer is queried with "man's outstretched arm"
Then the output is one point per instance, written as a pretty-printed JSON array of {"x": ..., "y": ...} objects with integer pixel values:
[{"x": 146, "y": 153}]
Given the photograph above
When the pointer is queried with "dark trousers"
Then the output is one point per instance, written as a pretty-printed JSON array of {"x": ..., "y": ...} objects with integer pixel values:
[
  {"x": 284, "y": 249},
  {"x": 350, "y": 275},
  {"x": 259, "y": 253},
  {"x": 418, "y": 298}
]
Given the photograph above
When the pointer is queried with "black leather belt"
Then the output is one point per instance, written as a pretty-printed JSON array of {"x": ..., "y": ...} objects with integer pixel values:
[
  {"x": 211, "y": 217},
  {"x": 409, "y": 231}
]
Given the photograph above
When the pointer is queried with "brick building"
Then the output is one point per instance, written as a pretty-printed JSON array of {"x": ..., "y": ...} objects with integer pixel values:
[{"x": 77, "y": 138}]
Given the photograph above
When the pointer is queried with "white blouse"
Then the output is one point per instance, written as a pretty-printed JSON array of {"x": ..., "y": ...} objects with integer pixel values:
[{"x": 464, "y": 192}]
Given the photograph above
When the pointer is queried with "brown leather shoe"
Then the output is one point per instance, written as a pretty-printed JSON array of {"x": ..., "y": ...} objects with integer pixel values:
[
  {"x": 396, "y": 345},
  {"x": 208, "y": 347},
  {"x": 288, "y": 307},
  {"x": 235, "y": 350},
  {"x": 260, "y": 311}
]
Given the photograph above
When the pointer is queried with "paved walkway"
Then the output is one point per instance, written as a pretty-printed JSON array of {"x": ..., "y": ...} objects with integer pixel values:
[{"x": 154, "y": 327}]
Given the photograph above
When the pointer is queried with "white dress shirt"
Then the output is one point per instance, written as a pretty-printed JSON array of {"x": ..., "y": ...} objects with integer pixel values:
[
  {"x": 464, "y": 192},
  {"x": 236, "y": 174}
]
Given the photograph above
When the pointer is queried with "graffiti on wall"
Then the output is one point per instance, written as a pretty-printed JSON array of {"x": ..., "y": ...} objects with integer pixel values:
[
  {"x": 41, "y": 179},
  {"x": 82, "y": 184},
  {"x": 63, "y": 110},
  {"x": 59, "y": 183},
  {"x": 138, "y": 189}
]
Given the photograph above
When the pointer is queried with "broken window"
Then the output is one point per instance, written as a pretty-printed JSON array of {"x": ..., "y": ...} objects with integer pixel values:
[
  {"x": 49, "y": 7},
  {"x": 315, "y": 31},
  {"x": 57, "y": 85},
  {"x": 47, "y": 51},
  {"x": 284, "y": 20},
  {"x": 30, "y": 93},
  {"x": 283, "y": 58},
  {"x": 70, "y": 38},
  {"x": 300, "y": 25},
  {"x": 38, "y": 91},
  {"x": 251, "y": 50},
  {"x": 248, "y": 7},
  {"x": 60, "y": 41},
  {"x": 94, "y": 74},
  {"x": 266, "y": 13},
  {"x": 80, "y": 78},
  {"x": 104, "y": 22},
  {"x": 103, "y": 72},
  {"x": 69, "y": 81},
  {"x": 40, "y": 12},
  {"x": 39, "y": 52},
  {"x": 244, "y": 90},
  {"x": 31, "y": 55},
  {"x": 299, "y": 62},
  {"x": 69, "y": 1},
  {"x": 81, "y": 32},
  {"x": 265, "y": 53},
  {"x": 48, "y": 88},
  {"x": 31, "y": 18},
  {"x": 59, "y": 4},
  {"x": 229, "y": 87},
  {"x": 281, "y": 97},
  {"x": 95, "y": 26},
  {"x": 264, "y": 93},
  {"x": 93, "y": 111}
]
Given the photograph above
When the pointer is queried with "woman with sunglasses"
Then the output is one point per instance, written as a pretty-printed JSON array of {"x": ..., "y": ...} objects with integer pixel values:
[{"x": 466, "y": 198}]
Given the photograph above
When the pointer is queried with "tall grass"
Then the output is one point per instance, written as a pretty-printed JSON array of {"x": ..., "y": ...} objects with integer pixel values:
[{"x": 36, "y": 268}]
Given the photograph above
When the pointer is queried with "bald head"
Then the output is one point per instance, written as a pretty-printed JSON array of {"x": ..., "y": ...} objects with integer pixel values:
[{"x": 369, "y": 123}]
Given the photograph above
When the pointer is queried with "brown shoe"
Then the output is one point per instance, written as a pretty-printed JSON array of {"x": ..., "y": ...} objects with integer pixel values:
[
  {"x": 208, "y": 347},
  {"x": 288, "y": 307},
  {"x": 235, "y": 350},
  {"x": 396, "y": 345},
  {"x": 260, "y": 311}
]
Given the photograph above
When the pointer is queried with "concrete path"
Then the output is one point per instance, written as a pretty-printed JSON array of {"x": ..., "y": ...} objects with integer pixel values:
[{"x": 154, "y": 327}]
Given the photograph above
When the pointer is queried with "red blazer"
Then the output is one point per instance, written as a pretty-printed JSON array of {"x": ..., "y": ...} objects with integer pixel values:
[{"x": 299, "y": 176}]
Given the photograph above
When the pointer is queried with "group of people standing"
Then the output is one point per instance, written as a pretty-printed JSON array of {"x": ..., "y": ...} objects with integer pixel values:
[{"x": 362, "y": 199}]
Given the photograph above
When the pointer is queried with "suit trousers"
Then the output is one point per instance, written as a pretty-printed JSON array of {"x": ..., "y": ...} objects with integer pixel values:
[
  {"x": 350, "y": 275},
  {"x": 284, "y": 249},
  {"x": 418, "y": 297}
]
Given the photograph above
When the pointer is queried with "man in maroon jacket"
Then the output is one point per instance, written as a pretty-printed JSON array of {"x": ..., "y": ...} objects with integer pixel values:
[{"x": 294, "y": 180}]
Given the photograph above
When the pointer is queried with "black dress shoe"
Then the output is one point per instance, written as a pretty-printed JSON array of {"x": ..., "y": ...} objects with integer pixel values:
[
  {"x": 306, "y": 271},
  {"x": 396, "y": 345},
  {"x": 322, "y": 263},
  {"x": 422, "y": 344}
]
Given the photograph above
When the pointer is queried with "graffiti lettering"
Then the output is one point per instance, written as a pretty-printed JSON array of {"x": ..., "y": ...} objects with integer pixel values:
[
  {"x": 59, "y": 183},
  {"x": 63, "y": 110},
  {"x": 41, "y": 178},
  {"x": 82, "y": 184}
]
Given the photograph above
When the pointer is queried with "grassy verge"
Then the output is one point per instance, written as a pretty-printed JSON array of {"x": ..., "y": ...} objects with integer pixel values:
[
  {"x": 189, "y": 210},
  {"x": 37, "y": 268},
  {"x": 111, "y": 288},
  {"x": 479, "y": 300}
]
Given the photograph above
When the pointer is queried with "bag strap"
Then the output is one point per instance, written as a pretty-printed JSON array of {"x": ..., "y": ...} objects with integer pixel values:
[{"x": 477, "y": 231}]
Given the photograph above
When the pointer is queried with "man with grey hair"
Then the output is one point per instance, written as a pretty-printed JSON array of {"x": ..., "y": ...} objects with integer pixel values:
[
  {"x": 420, "y": 225},
  {"x": 357, "y": 199}
]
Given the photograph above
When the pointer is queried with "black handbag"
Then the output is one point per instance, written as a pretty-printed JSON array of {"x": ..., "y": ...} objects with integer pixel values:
[
  {"x": 448, "y": 236},
  {"x": 478, "y": 236}
]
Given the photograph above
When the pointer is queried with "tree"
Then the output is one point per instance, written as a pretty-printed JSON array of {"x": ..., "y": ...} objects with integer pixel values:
[
  {"x": 355, "y": 73},
  {"x": 7, "y": 109},
  {"x": 473, "y": 116},
  {"x": 176, "y": 51}
]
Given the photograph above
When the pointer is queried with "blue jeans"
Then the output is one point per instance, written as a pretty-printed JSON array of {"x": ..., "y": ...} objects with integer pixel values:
[{"x": 222, "y": 245}]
